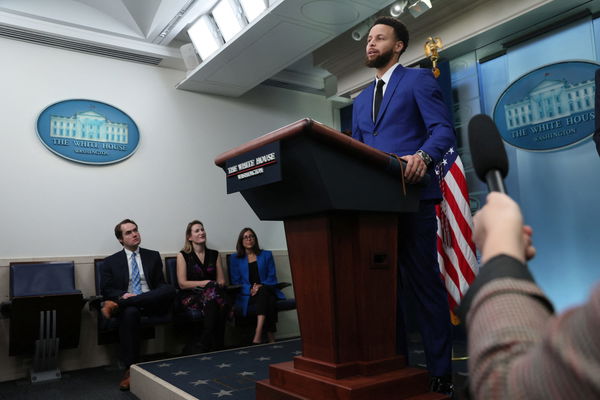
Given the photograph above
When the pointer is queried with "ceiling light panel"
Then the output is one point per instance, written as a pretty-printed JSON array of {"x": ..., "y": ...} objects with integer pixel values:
[
  {"x": 229, "y": 18},
  {"x": 204, "y": 36},
  {"x": 253, "y": 8}
]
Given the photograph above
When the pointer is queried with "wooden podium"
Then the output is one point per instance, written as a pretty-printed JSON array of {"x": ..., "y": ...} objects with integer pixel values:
[{"x": 339, "y": 200}]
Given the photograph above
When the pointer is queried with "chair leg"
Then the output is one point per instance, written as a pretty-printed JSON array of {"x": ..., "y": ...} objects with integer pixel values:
[{"x": 45, "y": 360}]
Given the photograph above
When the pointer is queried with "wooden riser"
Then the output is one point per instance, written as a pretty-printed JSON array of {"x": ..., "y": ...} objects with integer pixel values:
[{"x": 288, "y": 383}]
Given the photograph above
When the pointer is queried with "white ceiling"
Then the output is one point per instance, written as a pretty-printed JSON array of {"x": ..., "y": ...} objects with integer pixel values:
[
  {"x": 128, "y": 26},
  {"x": 138, "y": 20},
  {"x": 288, "y": 32},
  {"x": 277, "y": 48}
]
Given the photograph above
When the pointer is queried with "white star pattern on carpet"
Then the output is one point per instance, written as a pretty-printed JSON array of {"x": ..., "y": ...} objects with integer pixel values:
[
  {"x": 229, "y": 374},
  {"x": 223, "y": 393}
]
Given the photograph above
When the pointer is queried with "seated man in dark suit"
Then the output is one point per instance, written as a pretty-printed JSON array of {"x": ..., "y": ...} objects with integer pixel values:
[{"x": 133, "y": 285}]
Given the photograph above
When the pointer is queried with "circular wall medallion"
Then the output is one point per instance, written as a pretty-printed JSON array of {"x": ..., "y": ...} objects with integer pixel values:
[
  {"x": 88, "y": 131},
  {"x": 549, "y": 108}
]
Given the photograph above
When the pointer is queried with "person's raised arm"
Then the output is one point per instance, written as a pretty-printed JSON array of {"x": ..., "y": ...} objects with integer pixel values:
[
  {"x": 499, "y": 230},
  {"x": 518, "y": 349}
]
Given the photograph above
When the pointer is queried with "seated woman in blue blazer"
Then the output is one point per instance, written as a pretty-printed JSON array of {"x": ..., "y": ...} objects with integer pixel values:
[{"x": 254, "y": 269}]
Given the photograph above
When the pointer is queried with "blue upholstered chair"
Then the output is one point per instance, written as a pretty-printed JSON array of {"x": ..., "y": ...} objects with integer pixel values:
[
  {"x": 108, "y": 328},
  {"x": 179, "y": 316},
  {"x": 171, "y": 272},
  {"x": 45, "y": 314}
]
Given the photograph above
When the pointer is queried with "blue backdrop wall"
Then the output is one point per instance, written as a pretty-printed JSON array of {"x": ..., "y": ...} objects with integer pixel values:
[{"x": 558, "y": 190}]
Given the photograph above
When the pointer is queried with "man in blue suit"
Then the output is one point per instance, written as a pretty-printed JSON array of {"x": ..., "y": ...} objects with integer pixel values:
[
  {"x": 133, "y": 285},
  {"x": 402, "y": 112}
]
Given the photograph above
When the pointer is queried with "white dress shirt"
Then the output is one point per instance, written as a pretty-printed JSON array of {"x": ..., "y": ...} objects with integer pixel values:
[
  {"x": 386, "y": 78},
  {"x": 145, "y": 287}
]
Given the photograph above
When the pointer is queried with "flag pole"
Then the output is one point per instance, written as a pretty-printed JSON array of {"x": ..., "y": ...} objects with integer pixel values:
[{"x": 456, "y": 250}]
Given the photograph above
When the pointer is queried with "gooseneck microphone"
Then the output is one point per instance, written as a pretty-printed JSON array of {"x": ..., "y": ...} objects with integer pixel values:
[{"x": 488, "y": 153}]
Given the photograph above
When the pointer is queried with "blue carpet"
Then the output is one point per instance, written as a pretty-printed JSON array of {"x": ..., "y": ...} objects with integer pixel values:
[
  {"x": 232, "y": 374},
  {"x": 225, "y": 374}
]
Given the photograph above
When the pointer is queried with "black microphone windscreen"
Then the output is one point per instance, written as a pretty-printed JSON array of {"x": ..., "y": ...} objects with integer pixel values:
[{"x": 487, "y": 148}]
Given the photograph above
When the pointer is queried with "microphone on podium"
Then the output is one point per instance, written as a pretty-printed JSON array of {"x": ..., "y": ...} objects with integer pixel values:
[{"x": 488, "y": 153}]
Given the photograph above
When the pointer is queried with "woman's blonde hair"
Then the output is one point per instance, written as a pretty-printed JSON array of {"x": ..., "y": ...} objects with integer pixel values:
[{"x": 187, "y": 244}]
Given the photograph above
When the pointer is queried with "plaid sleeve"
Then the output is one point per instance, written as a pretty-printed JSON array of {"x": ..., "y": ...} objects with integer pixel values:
[{"x": 519, "y": 350}]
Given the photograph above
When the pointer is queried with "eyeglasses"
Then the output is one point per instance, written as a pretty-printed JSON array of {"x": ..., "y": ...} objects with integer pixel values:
[{"x": 249, "y": 237}]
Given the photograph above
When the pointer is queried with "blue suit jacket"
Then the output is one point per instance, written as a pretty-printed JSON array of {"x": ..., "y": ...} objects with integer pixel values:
[
  {"x": 239, "y": 275},
  {"x": 412, "y": 116},
  {"x": 115, "y": 272}
]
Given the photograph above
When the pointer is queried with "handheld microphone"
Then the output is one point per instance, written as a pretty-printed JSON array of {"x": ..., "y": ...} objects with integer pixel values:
[{"x": 488, "y": 153}]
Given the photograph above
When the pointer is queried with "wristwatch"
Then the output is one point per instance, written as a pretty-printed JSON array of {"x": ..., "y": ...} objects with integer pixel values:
[{"x": 424, "y": 156}]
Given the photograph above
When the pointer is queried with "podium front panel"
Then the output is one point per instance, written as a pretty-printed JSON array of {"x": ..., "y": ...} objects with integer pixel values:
[{"x": 318, "y": 178}]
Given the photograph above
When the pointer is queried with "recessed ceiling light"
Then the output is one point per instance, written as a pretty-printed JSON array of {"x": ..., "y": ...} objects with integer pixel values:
[
  {"x": 253, "y": 8},
  {"x": 229, "y": 18},
  {"x": 204, "y": 36}
]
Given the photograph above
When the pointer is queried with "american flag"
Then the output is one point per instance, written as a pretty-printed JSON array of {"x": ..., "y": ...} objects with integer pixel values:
[{"x": 456, "y": 250}]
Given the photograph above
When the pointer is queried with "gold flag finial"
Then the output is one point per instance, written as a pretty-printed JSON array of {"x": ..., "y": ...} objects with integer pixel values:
[{"x": 432, "y": 45}]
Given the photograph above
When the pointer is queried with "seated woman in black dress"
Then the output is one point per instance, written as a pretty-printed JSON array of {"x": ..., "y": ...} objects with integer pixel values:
[
  {"x": 254, "y": 269},
  {"x": 201, "y": 278}
]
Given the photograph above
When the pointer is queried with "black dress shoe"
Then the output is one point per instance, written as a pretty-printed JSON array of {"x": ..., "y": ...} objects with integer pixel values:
[
  {"x": 442, "y": 384},
  {"x": 124, "y": 384}
]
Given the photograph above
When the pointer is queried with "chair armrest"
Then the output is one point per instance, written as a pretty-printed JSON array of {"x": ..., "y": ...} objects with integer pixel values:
[
  {"x": 285, "y": 305},
  {"x": 233, "y": 289},
  {"x": 230, "y": 289},
  {"x": 95, "y": 302},
  {"x": 282, "y": 285},
  {"x": 5, "y": 309}
]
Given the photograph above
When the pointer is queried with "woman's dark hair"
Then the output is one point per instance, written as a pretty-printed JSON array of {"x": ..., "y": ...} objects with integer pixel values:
[{"x": 239, "y": 247}]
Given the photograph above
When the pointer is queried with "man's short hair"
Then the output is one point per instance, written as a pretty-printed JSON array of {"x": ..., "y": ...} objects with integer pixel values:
[
  {"x": 399, "y": 29},
  {"x": 119, "y": 232}
]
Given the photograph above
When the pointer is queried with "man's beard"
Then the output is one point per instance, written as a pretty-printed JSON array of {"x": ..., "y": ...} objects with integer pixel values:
[{"x": 380, "y": 61}]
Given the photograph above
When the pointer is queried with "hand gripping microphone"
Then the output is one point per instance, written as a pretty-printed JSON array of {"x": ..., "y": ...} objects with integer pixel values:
[{"x": 488, "y": 153}]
